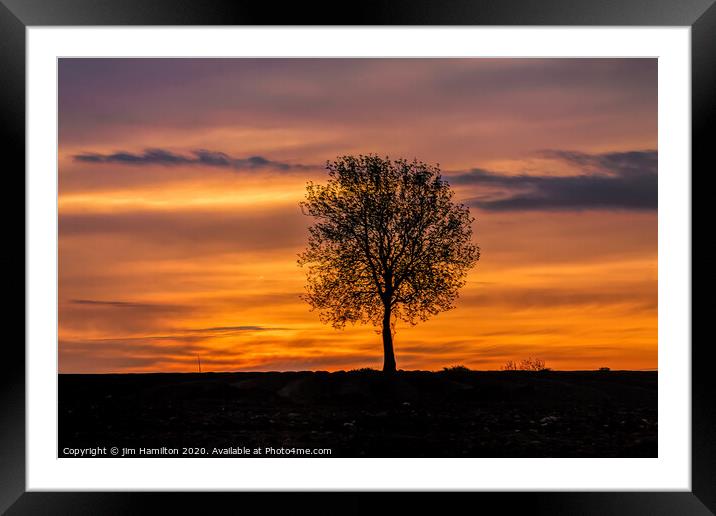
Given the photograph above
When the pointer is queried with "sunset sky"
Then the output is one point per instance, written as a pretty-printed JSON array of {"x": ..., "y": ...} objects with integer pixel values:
[{"x": 179, "y": 218}]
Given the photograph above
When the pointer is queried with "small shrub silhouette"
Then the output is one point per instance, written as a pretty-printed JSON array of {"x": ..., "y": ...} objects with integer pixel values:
[
  {"x": 532, "y": 364},
  {"x": 526, "y": 364},
  {"x": 456, "y": 369},
  {"x": 364, "y": 370},
  {"x": 510, "y": 365}
]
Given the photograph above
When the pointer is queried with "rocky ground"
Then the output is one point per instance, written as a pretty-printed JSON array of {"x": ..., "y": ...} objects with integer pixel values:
[{"x": 363, "y": 414}]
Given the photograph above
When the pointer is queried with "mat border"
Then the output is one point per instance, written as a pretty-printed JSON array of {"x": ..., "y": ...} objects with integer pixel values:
[{"x": 17, "y": 15}]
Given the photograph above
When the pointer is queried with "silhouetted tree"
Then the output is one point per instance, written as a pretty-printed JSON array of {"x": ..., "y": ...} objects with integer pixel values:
[{"x": 388, "y": 243}]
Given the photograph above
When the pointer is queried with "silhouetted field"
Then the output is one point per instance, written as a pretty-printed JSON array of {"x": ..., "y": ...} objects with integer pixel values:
[{"x": 363, "y": 414}]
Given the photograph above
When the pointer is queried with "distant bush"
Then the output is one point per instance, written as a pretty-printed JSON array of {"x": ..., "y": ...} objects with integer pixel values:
[
  {"x": 364, "y": 370},
  {"x": 456, "y": 369},
  {"x": 532, "y": 364},
  {"x": 526, "y": 364},
  {"x": 604, "y": 369},
  {"x": 510, "y": 365}
]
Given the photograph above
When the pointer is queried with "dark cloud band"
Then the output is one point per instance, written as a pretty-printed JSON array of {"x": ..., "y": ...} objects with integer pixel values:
[
  {"x": 610, "y": 181},
  {"x": 197, "y": 157}
]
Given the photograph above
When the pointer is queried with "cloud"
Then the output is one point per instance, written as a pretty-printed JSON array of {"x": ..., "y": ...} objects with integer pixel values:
[
  {"x": 252, "y": 353},
  {"x": 118, "y": 317},
  {"x": 194, "y": 334},
  {"x": 198, "y": 232},
  {"x": 232, "y": 329},
  {"x": 619, "y": 163},
  {"x": 114, "y": 304},
  {"x": 119, "y": 321},
  {"x": 636, "y": 295},
  {"x": 155, "y": 156},
  {"x": 608, "y": 181}
]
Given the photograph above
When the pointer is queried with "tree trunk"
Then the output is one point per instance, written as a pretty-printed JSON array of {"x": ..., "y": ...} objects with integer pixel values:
[{"x": 388, "y": 355}]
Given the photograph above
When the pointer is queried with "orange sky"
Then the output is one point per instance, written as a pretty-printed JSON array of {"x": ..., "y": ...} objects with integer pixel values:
[{"x": 179, "y": 222}]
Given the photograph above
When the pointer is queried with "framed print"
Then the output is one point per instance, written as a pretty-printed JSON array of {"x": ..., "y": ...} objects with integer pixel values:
[{"x": 429, "y": 248}]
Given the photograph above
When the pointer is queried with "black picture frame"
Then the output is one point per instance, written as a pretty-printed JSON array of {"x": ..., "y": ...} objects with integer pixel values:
[{"x": 17, "y": 15}]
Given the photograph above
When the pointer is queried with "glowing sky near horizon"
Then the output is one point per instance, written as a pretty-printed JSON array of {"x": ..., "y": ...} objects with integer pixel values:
[{"x": 179, "y": 224}]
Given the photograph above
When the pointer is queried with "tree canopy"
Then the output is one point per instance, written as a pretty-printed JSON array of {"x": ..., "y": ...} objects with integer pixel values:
[{"x": 388, "y": 243}]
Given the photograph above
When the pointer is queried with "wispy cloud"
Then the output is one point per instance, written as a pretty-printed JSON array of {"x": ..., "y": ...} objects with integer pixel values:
[
  {"x": 194, "y": 334},
  {"x": 156, "y": 156},
  {"x": 230, "y": 329},
  {"x": 113, "y": 304},
  {"x": 608, "y": 181},
  {"x": 617, "y": 163}
]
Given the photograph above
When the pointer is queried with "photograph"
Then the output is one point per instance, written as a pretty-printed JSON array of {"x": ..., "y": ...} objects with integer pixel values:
[{"x": 356, "y": 257}]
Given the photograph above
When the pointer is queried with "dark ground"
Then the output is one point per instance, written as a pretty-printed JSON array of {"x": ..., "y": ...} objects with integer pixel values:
[{"x": 361, "y": 414}]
